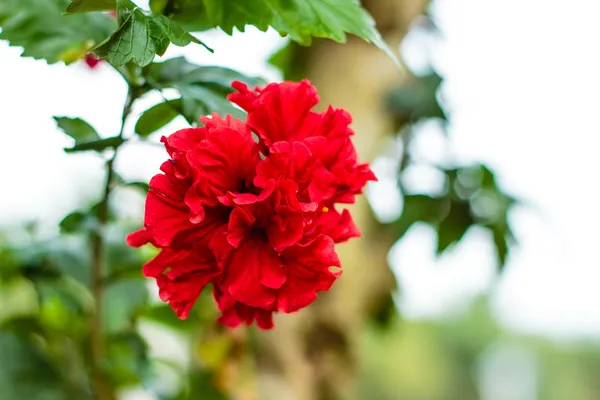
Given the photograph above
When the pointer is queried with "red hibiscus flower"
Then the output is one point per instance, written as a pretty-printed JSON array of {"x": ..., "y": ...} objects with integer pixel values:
[{"x": 256, "y": 219}]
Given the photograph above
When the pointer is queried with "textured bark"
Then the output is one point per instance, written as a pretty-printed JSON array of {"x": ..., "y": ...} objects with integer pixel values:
[{"x": 312, "y": 355}]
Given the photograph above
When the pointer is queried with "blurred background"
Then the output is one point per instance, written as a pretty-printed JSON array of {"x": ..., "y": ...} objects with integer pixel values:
[{"x": 477, "y": 273}]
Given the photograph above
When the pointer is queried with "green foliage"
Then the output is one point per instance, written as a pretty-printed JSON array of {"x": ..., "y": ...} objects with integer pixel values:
[
  {"x": 72, "y": 222},
  {"x": 471, "y": 196},
  {"x": 128, "y": 359},
  {"x": 460, "y": 207},
  {"x": 44, "y": 33},
  {"x": 125, "y": 298},
  {"x": 417, "y": 99},
  {"x": 77, "y": 128},
  {"x": 77, "y": 6},
  {"x": 202, "y": 89},
  {"x": 86, "y": 137},
  {"x": 98, "y": 145},
  {"x": 140, "y": 36},
  {"x": 299, "y": 19},
  {"x": 157, "y": 116}
]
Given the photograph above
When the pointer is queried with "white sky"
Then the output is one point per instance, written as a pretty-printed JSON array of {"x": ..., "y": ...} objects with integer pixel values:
[{"x": 521, "y": 84}]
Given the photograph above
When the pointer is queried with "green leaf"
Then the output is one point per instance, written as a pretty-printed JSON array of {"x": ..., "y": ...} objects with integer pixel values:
[
  {"x": 158, "y": 116},
  {"x": 73, "y": 222},
  {"x": 503, "y": 241},
  {"x": 40, "y": 27},
  {"x": 203, "y": 313},
  {"x": 195, "y": 15},
  {"x": 143, "y": 186},
  {"x": 73, "y": 296},
  {"x": 203, "y": 89},
  {"x": 123, "y": 261},
  {"x": 86, "y": 137},
  {"x": 97, "y": 145},
  {"x": 158, "y": 6},
  {"x": 163, "y": 314},
  {"x": 202, "y": 386},
  {"x": 140, "y": 36},
  {"x": 78, "y": 129},
  {"x": 300, "y": 19},
  {"x": 420, "y": 208},
  {"x": 122, "y": 301},
  {"x": 417, "y": 99},
  {"x": 179, "y": 70},
  {"x": 452, "y": 228},
  {"x": 70, "y": 259},
  {"x": 78, "y": 6},
  {"x": 198, "y": 100},
  {"x": 331, "y": 19},
  {"x": 128, "y": 360},
  {"x": 502, "y": 247}
]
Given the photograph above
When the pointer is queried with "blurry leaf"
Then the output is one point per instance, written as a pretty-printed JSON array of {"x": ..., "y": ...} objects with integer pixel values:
[
  {"x": 78, "y": 129},
  {"x": 300, "y": 19},
  {"x": 420, "y": 208},
  {"x": 26, "y": 372},
  {"x": 40, "y": 27},
  {"x": 488, "y": 179},
  {"x": 158, "y": 6},
  {"x": 164, "y": 315},
  {"x": 98, "y": 145},
  {"x": 452, "y": 228},
  {"x": 384, "y": 311},
  {"x": 140, "y": 36},
  {"x": 158, "y": 116},
  {"x": 501, "y": 247},
  {"x": 201, "y": 386},
  {"x": 73, "y": 222},
  {"x": 203, "y": 312},
  {"x": 71, "y": 257},
  {"x": 74, "y": 296},
  {"x": 123, "y": 261},
  {"x": 503, "y": 240},
  {"x": 77, "y": 6},
  {"x": 64, "y": 307},
  {"x": 417, "y": 99},
  {"x": 203, "y": 89},
  {"x": 143, "y": 186},
  {"x": 123, "y": 299},
  {"x": 128, "y": 362},
  {"x": 18, "y": 298},
  {"x": 40, "y": 270},
  {"x": 20, "y": 324}
]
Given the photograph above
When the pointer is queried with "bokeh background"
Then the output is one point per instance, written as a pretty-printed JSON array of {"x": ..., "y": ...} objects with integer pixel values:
[{"x": 477, "y": 274}]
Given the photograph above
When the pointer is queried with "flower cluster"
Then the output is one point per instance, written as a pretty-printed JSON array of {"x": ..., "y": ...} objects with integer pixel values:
[{"x": 250, "y": 207}]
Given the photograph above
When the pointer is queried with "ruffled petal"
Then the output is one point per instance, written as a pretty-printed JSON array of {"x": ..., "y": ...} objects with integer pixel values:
[
  {"x": 309, "y": 272},
  {"x": 243, "y": 276}
]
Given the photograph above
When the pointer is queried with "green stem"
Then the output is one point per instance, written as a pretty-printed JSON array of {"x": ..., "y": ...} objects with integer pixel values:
[{"x": 101, "y": 387}]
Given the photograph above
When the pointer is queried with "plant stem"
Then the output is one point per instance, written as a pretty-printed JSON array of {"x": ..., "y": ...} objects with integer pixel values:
[{"x": 100, "y": 385}]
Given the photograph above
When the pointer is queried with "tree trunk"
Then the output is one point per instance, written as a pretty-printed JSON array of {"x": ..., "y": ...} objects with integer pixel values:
[{"x": 313, "y": 354}]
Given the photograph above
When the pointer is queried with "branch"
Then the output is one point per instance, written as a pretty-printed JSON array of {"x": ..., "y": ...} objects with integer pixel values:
[{"x": 101, "y": 386}]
